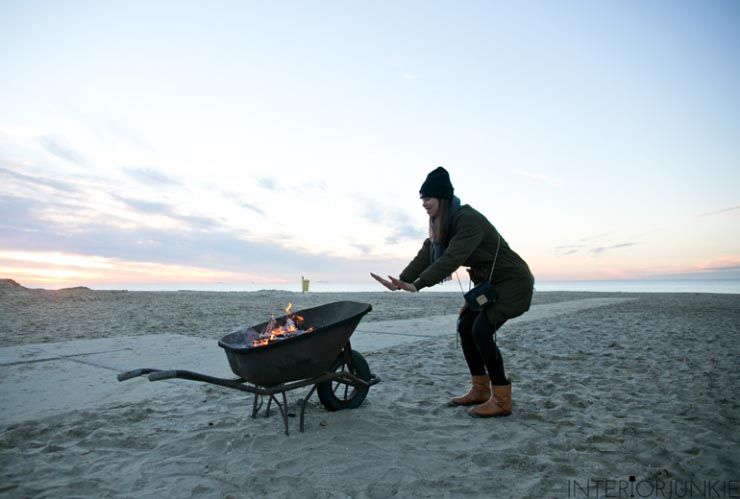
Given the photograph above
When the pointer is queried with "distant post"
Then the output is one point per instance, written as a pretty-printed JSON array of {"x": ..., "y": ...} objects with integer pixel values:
[{"x": 304, "y": 284}]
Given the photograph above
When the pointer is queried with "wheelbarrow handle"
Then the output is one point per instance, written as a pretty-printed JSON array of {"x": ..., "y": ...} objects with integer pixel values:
[
  {"x": 160, "y": 375},
  {"x": 135, "y": 373}
]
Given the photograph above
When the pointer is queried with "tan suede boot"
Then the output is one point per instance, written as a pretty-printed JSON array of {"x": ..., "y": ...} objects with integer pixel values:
[
  {"x": 498, "y": 405},
  {"x": 479, "y": 392}
]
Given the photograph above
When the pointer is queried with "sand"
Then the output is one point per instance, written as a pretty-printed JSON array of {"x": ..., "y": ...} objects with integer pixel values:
[{"x": 640, "y": 392}]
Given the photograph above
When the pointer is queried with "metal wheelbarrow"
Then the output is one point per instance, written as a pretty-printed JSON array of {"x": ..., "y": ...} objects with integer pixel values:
[{"x": 322, "y": 358}]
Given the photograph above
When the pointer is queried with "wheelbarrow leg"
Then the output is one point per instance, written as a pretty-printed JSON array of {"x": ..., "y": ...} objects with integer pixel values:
[
  {"x": 257, "y": 405},
  {"x": 282, "y": 406},
  {"x": 285, "y": 412},
  {"x": 348, "y": 356},
  {"x": 303, "y": 406}
]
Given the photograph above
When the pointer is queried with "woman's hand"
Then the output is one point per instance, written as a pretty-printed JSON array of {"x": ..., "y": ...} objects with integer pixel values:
[
  {"x": 406, "y": 286},
  {"x": 387, "y": 284},
  {"x": 394, "y": 284}
]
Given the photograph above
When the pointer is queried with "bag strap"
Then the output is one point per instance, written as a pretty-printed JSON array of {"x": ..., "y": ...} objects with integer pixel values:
[{"x": 495, "y": 257}]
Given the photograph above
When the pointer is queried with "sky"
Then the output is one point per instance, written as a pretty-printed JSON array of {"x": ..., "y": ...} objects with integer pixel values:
[{"x": 257, "y": 142}]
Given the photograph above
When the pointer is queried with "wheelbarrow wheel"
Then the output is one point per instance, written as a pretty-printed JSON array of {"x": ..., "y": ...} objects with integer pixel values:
[{"x": 337, "y": 395}]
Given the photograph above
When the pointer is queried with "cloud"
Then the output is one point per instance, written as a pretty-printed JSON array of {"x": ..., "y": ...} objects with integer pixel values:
[
  {"x": 729, "y": 268},
  {"x": 192, "y": 222},
  {"x": 41, "y": 213},
  {"x": 272, "y": 184},
  {"x": 399, "y": 226},
  {"x": 144, "y": 206},
  {"x": 131, "y": 221},
  {"x": 202, "y": 242},
  {"x": 364, "y": 249},
  {"x": 134, "y": 228},
  {"x": 221, "y": 251},
  {"x": 722, "y": 210},
  {"x": 269, "y": 183},
  {"x": 239, "y": 200},
  {"x": 252, "y": 207},
  {"x": 47, "y": 204},
  {"x": 61, "y": 150},
  {"x": 35, "y": 180},
  {"x": 709, "y": 273},
  {"x": 19, "y": 215},
  {"x": 595, "y": 245},
  {"x": 567, "y": 250},
  {"x": 403, "y": 232},
  {"x": 55, "y": 205},
  {"x": 601, "y": 249},
  {"x": 150, "y": 177}
]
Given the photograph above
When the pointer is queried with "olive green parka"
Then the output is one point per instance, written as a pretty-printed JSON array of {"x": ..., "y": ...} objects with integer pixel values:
[{"x": 472, "y": 243}]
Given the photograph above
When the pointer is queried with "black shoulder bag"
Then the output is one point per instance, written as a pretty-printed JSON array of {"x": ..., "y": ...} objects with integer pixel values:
[{"x": 484, "y": 293}]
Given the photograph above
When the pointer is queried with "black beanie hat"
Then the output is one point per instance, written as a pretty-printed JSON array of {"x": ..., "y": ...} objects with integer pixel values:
[{"x": 437, "y": 185}]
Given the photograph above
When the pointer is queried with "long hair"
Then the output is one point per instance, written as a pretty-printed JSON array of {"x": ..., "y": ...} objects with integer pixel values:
[{"x": 442, "y": 222}]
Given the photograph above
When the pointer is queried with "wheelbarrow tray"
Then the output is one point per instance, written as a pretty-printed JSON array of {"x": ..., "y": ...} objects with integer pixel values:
[{"x": 304, "y": 356}]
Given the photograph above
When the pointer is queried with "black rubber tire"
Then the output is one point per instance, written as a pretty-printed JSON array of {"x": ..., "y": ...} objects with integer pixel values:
[{"x": 351, "y": 397}]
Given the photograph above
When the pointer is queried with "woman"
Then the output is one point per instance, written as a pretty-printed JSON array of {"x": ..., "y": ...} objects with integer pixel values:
[{"x": 461, "y": 236}]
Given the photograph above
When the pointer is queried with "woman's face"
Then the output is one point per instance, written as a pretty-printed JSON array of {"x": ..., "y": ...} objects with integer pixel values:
[{"x": 431, "y": 205}]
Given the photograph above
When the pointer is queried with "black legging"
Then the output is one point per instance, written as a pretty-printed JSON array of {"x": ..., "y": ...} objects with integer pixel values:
[{"x": 479, "y": 347}]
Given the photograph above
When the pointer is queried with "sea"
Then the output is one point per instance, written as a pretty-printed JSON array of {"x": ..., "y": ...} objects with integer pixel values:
[{"x": 725, "y": 286}]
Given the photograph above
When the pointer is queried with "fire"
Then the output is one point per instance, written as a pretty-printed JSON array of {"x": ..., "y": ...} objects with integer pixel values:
[{"x": 273, "y": 332}]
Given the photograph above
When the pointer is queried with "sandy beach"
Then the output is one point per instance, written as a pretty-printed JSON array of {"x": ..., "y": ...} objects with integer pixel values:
[{"x": 634, "y": 397}]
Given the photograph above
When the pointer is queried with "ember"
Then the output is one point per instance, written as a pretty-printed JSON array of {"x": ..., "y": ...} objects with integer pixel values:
[{"x": 273, "y": 332}]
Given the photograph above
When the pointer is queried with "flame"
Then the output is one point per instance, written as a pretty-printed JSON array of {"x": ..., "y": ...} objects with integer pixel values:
[{"x": 274, "y": 333}]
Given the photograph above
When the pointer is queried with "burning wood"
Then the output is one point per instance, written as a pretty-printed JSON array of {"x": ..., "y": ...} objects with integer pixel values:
[{"x": 290, "y": 329}]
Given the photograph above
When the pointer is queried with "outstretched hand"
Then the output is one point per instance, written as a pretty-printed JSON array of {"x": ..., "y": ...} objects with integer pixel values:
[
  {"x": 406, "y": 286},
  {"x": 394, "y": 284},
  {"x": 384, "y": 282}
]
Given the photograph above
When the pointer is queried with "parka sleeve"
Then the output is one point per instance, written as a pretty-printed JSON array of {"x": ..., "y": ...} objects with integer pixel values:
[
  {"x": 465, "y": 240},
  {"x": 418, "y": 264}
]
